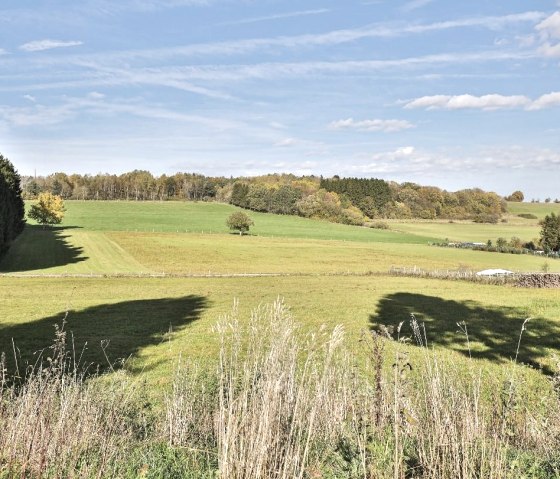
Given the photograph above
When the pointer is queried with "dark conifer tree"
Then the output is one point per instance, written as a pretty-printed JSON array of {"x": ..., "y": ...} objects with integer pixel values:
[{"x": 12, "y": 210}]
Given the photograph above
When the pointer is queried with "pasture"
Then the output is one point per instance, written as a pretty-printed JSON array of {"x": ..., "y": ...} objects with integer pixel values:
[
  {"x": 335, "y": 274},
  {"x": 151, "y": 322},
  {"x": 192, "y": 239},
  {"x": 540, "y": 210}
]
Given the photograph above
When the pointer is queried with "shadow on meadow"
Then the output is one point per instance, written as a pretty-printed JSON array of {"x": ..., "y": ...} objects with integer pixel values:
[
  {"x": 493, "y": 332},
  {"x": 103, "y": 335},
  {"x": 41, "y": 247}
]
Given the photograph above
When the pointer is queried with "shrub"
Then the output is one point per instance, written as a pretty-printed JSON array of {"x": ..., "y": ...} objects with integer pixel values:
[
  {"x": 378, "y": 225},
  {"x": 486, "y": 218},
  {"x": 528, "y": 216}
]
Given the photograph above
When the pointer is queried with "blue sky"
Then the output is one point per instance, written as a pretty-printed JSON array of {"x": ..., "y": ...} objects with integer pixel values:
[{"x": 453, "y": 94}]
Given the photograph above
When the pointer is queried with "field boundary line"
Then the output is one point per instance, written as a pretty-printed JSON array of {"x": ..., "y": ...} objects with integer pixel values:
[{"x": 185, "y": 275}]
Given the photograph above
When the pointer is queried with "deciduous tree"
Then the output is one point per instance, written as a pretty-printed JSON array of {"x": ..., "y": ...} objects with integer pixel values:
[
  {"x": 49, "y": 209},
  {"x": 239, "y": 221},
  {"x": 516, "y": 196}
]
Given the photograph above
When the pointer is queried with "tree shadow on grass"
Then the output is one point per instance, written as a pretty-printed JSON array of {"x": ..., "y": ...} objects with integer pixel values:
[
  {"x": 102, "y": 335},
  {"x": 39, "y": 248},
  {"x": 493, "y": 332}
]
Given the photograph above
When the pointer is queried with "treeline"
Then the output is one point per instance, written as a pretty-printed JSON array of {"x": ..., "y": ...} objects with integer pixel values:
[
  {"x": 410, "y": 200},
  {"x": 137, "y": 185},
  {"x": 12, "y": 210},
  {"x": 357, "y": 201},
  {"x": 344, "y": 200}
]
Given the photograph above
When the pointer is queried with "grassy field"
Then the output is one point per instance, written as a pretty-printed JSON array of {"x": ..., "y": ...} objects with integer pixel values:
[
  {"x": 153, "y": 321},
  {"x": 338, "y": 275},
  {"x": 189, "y": 238},
  {"x": 467, "y": 231},
  {"x": 540, "y": 210},
  {"x": 182, "y": 217}
]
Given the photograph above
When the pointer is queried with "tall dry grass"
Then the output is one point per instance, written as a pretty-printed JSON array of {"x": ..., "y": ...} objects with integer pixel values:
[
  {"x": 55, "y": 423},
  {"x": 281, "y": 403}
]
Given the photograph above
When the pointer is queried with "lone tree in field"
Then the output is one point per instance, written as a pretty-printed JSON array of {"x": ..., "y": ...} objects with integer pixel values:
[
  {"x": 550, "y": 232},
  {"x": 49, "y": 209},
  {"x": 239, "y": 221}
]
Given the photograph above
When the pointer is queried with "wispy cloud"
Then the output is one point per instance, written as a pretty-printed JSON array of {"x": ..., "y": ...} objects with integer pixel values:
[
  {"x": 335, "y": 37},
  {"x": 278, "y": 16},
  {"x": 371, "y": 125},
  {"x": 415, "y": 4},
  {"x": 415, "y": 161},
  {"x": 110, "y": 7},
  {"x": 484, "y": 102},
  {"x": 95, "y": 74},
  {"x": 40, "y": 45},
  {"x": 550, "y": 26},
  {"x": 549, "y": 32},
  {"x": 307, "y": 147},
  {"x": 94, "y": 103},
  {"x": 286, "y": 142}
]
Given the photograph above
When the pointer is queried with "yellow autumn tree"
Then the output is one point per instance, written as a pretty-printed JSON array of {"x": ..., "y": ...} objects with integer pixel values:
[{"x": 49, "y": 209}]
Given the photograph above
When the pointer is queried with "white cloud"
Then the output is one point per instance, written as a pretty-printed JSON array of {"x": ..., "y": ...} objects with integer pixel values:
[
  {"x": 97, "y": 74},
  {"x": 3, "y": 52},
  {"x": 500, "y": 42},
  {"x": 40, "y": 45},
  {"x": 550, "y": 26},
  {"x": 517, "y": 157},
  {"x": 30, "y": 98},
  {"x": 111, "y": 7},
  {"x": 459, "y": 102},
  {"x": 415, "y": 4},
  {"x": 308, "y": 147},
  {"x": 546, "y": 101},
  {"x": 37, "y": 115},
  {"x": 286, "y": 142},
  {"x": 334, "y": 37},
  {"x": 526, "y": 40},
  {"x": 412, "y": 162},
  {"x": 549, "y": 50},
  {"x": 404, "y": 151},
  {"x": 94, "y": 105},
  {"x": 371, "y": 125},
  {"x": 278, "y": 16},
  {"x": 485, "y": 102},
  {"x": 549, "y": 30}
]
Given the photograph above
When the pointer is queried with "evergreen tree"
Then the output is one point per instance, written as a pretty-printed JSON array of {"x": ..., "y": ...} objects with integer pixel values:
[
  {"x": 550, "y": 232},
  {"x": 12, "y": 210}
]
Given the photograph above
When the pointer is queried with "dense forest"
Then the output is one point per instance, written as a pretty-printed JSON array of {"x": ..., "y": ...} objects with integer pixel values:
[
  {"x": 344, "y": 200},
  {"x": 12, "y": 210}
]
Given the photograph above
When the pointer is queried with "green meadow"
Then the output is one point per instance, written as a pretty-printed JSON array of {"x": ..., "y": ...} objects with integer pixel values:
[
  {"x": 328, "y": 274},
  {"x": 192, "y": 239},
  {"x": 540, "y": 210}
]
